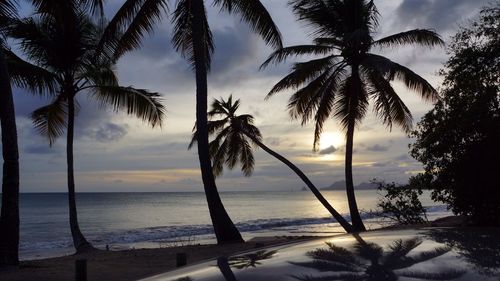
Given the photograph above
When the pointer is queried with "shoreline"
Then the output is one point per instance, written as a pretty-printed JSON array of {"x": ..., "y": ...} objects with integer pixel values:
[{"x": 133, "y": 264}]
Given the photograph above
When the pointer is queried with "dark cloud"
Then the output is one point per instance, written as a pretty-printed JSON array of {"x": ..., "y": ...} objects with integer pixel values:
[
  {"x": 329, "y": 150},
  {"x": 110, "y": 132},
  {"x": 441, "y": 15},
  {"x": 377, "y": 148}
]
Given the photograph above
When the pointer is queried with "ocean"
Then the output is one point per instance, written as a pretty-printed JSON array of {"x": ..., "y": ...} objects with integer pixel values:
[{"x": 149, "y": 220}]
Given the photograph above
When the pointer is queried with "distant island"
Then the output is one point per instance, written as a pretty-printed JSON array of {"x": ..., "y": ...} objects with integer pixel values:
[{"x": 340, "y": 185}]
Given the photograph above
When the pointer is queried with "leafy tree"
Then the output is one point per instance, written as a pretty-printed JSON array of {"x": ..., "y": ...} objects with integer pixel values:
[
  {"x": 234, "y": 137},
  {"x": 457, "y": 141},
  {"x": 400, "y": 203},
  {"x": 9, "y": 219},
  {"x": 193, "y": 38},
  {"x": 60, "y": 42},
  {"x": 348, "y": 74}
]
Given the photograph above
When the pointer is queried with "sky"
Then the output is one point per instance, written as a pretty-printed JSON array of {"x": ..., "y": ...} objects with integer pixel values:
[{"x": 115, "y": 152}]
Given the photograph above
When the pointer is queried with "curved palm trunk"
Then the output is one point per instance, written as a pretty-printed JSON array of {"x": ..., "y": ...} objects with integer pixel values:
[
  {"x": 347, "y": 227},
  {"x": 80, "y": 243},
  {"x": 357, "y": 223},
  {"x": 224, "y": 228},
  {"x": 9, "y": 219}
]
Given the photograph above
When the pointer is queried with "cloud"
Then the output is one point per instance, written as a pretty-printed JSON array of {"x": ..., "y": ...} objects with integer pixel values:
[
  {"x": 377, "y": 148},
  {"x": 441, "y": 15},
  {"x": 110, "y": 132},
  {"x": 329, "y": 150}
]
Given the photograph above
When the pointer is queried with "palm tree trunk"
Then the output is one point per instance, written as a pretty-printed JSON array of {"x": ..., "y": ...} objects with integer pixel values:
[
  {"x": 224, "y": 228},
  {"x": 347, "y": 227},
  {"x": 357, "y": 223},
  {"x": 79, "y": 241},
  {"x": 9, "y": 219}
]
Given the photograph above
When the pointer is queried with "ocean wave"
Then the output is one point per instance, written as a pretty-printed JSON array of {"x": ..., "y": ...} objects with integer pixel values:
[{"x": 166, "y": 234}]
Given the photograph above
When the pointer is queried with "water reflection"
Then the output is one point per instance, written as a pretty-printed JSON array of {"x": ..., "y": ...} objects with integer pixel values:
[
  {"x": 369, "y": 261},
  {"x": 479, "y": 247},
  {"x": 242, "y": 262}
]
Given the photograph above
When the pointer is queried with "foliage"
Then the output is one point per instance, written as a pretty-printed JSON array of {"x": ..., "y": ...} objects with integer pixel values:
[
  {"x": 401, "y": 204},
  {"x": 232, "y": 144},
  {"x": 457, "y": 141},
  {"x": 346, "y": 74}
]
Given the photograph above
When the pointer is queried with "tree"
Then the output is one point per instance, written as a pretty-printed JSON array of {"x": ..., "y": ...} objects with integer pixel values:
[
  {"x": 234, "y": 137},
  {"x": 60, "y": 42},
  {"x": 400, "y": 203},
  {"x": 457, "y": 141},
  {"x": 193, "y": 38},
  {"x": 341, "y": 82},
  {"x": 9, "y": 218}
]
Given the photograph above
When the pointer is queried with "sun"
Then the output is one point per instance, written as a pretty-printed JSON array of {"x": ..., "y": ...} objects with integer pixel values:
[{"x": 331, "y": 138}]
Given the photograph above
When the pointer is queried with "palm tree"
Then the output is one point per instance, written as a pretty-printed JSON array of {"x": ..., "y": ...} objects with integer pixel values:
[
  {"x": 9, "y": 218},
  {"x": 234, "y": 136},
  {"x": 60, "y": 42},
  {"x": 341, "y": 82},
  {"x": 193, "y": 38},
  {"x": 369, "y": 261}
]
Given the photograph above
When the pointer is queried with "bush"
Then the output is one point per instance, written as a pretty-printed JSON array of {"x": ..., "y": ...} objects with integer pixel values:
[{"x": 401, "y": 204}]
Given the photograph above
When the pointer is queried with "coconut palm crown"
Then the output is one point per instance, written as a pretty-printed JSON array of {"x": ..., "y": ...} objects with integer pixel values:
[
  {"x": 235, "y": 136},
  {"x": 231, "y": 144},
  {"x": 346, "y": 73},
  {"x": 60, "y": 42}
]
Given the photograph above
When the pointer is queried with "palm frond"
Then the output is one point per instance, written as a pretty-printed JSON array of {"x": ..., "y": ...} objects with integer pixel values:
[
  {"x": 183, "y": 33},
  {"x": 351, "y": 103},
  {"x": 29, "y": 76},
  {"x": 8, "y": 9},
  {"x": 139, "y": 102},
  {"x": 50, "y": 120},
  {"x": 423, "y": 37},
  {"x": 256, "y": 15},
  {"x": 133, "y": 20},
  {"x": 324, "y": 18},
  {"x": 388, "y": 105},
  {"x": 302, "y": 73},
  {"x": 400, "y": 248},
  {"x": 420, "y": 257},
  {"x": 282, "y": 54},
  {"x": 392, "y": 70}
]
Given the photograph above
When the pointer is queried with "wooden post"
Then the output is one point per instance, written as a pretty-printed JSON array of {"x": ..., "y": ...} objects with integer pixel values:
[
  {"x": 80, "y": 270},
  {"x": 181, "y": 259}
]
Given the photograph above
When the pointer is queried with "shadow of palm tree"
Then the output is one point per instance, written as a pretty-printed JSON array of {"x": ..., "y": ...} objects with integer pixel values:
[
  {"x": 369, "y": 261},
  {"x": 242, "y": 262},
  {"x": 479, "y": 247},
  {"x": 250, "y": 260}
]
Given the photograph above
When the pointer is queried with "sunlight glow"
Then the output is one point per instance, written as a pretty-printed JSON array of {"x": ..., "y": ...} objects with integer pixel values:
[{"x": 331, "y": 138}]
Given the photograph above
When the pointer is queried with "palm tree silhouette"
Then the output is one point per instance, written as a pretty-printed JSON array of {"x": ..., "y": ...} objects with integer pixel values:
[
  {"x": 369, "y": 261},
  {"x": 234, "y": 137},
  {"x": 193, "y": 38},
  {"x": 9, "y": 217},
  {"x": 341, "y": 82},
  {"x": 60, "y": 42}
]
